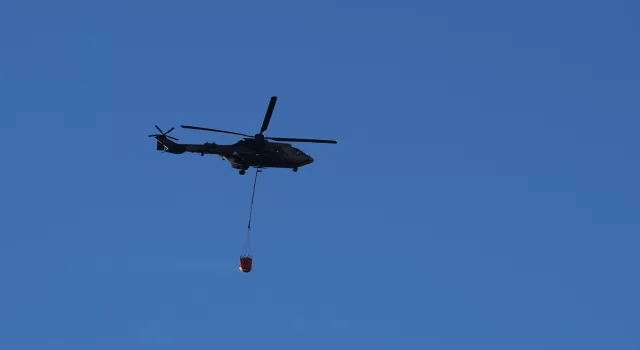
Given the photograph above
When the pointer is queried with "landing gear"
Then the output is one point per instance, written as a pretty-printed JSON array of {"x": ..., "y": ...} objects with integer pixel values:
[
  {"x": 242, "y": 172},
  {"x": 295, "y": 170}
]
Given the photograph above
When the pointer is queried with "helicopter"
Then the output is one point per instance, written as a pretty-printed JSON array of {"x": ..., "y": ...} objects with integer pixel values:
[{"x": 257, "y": 151}]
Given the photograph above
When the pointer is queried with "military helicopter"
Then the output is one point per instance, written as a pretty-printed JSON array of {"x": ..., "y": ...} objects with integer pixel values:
[{"x": 251, "y": 151}]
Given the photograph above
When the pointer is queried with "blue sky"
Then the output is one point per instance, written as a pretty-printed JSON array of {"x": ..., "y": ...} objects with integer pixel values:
[{"x": 483, "y": 193}]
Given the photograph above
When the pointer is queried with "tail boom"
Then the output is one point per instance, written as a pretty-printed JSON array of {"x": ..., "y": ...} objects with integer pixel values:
[{"x": 166, "y": 145}]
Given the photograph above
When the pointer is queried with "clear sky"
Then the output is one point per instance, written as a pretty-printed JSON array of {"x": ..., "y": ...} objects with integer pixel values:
[{"x": 483, "y": 193}]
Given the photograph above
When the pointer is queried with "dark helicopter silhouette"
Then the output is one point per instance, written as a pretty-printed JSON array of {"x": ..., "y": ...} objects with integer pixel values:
[{"x": 251, "y": 151}]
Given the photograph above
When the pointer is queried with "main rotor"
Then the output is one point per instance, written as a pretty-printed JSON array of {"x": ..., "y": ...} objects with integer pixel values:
[{"x": 259, "y": 137}]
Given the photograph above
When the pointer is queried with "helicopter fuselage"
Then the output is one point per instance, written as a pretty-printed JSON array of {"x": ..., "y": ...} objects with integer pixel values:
[
  {"x": 274, "y": 155},
  {"x": 244, "y": 154}
]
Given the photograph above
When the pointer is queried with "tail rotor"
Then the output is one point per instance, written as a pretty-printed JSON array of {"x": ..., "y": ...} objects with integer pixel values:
[
  {"x": 163, "y": 134},
  {"x": 160, "y": 146}
]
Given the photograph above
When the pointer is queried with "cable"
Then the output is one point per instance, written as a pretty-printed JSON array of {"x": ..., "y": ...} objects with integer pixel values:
[
  {"x": 255, "y": 180},
  {"x": 247, "y": 245}
]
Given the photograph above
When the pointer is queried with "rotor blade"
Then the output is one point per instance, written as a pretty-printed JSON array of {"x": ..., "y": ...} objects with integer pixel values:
[
  {"x": 267, "y": 116},
  {"x": 168, "y": 131},
  {"x": 214, "y": 130},
  {"x": 171, "y": 137},
  {"x": 154, "y": 135},
  {"x": 285, "y": 139},
  {"x": 158, "y": 129}
]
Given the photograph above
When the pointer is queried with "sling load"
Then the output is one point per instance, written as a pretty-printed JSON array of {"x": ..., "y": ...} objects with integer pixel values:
[{"x": 246, "y": 259}]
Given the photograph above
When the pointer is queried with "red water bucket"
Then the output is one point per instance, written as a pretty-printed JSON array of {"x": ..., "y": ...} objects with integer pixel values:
[{"x": 245, "y": 264}]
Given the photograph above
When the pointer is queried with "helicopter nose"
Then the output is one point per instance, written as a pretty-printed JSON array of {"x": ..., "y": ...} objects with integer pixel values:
[{"x": 309, "y": 159}]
